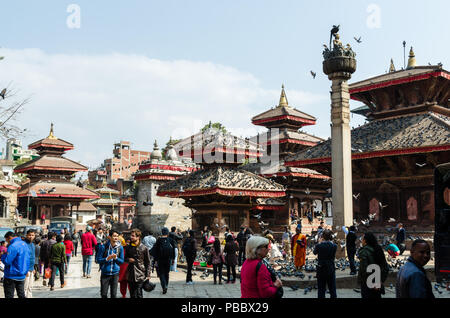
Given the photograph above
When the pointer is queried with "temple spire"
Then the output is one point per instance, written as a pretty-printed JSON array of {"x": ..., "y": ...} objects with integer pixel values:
[
  {"x": 411, "y": 59},
  {"x": 283, "y": 99},
  {"x": 51, "y": 135},
  {"x": 392, "y": 67}
]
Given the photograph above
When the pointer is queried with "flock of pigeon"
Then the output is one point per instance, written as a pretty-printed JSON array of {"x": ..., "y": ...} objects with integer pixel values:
[
  {"x": 222, "y": 177},
  {"x": 286, "y": 268}
]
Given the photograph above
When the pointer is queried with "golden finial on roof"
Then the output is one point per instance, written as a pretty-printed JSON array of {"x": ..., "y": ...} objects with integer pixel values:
[
  {"x": 392, "y": 67},
  {"x": 283, "y": 99},
  {"x": 51, "y": 136},
  {"x": 411, "y": 59}
]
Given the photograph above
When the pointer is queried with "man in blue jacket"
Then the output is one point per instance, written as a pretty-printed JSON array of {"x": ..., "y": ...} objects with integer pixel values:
[
  {"x": 17, "y": 263},
  {"x": 29, "y": 240},
  {"x": 412, "y": 280},
  {"x": 110, "y": 257}
]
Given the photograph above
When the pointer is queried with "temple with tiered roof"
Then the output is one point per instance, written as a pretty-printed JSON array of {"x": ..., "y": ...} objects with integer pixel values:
[
  {"x": 49, "y": 190},
  {"x": 395, "y": 153},
  {"x": 221, "y": 194}
]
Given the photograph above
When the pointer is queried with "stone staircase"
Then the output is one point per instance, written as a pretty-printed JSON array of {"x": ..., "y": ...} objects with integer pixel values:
[{"x": 9, "y": 222}]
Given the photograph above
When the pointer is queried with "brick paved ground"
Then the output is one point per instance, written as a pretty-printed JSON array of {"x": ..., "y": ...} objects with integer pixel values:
[{"x": 78, "y": 287}]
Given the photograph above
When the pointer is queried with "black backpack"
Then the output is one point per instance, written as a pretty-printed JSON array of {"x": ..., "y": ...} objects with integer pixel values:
[{"x": 166, "y": 249}]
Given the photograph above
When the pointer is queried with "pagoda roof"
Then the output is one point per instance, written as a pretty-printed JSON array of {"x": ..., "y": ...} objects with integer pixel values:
[
  {"x": 289, "y": 136},
  {"x": 269, "y": 204},
  {"x": 105, "y": 189},
  {"x": 51, "y": 143},
  {"x": 213, "y": 140},
  {"x": 86, "y": 206},
  {"x": 224, "y": 181},
  {"x": 283, "y": 115},
  {"x": 282, "y": 170},
  {"x": 11, "y": 185},
  {"x": 62, "y": 190},
  {"x": 412, "y": 133},
  {"x": 50, "y": 163},
  {"x": 104, "y": 201},
  {"x": 413, "y": 74},
  {"x": 163, "y": 170}
]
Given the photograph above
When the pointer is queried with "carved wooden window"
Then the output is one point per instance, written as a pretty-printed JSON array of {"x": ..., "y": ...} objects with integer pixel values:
[{"x": 411, "y": 209}]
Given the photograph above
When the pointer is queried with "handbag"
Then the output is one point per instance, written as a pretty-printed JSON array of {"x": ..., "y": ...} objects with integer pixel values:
[
  {"x": 48, "y": 273},
  {"x": 148, "y": 286}
]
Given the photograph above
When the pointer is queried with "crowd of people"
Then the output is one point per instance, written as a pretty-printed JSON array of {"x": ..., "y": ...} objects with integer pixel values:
[
  {"x": 412, "y": 281},
  {"x": 129, "y": 260}
]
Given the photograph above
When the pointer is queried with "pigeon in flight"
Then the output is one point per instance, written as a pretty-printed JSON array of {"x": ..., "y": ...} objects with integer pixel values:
[
  {"x": 357, "y": 39},
  {"x": 3, "y": 93},
  {"x": 313, "y": 74},
  {"x": 421, "y": 165},
  {"x": 356, "y": 196},
  {"x": 381, "y": 205}
]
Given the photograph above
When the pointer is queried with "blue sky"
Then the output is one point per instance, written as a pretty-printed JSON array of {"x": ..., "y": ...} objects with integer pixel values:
[{"x": 161, "y": 58}]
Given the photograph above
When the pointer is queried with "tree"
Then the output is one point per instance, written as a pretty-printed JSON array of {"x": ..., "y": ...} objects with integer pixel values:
[
  {"x": 217, "y": 126},
  {"x": 10, "y": 108}
]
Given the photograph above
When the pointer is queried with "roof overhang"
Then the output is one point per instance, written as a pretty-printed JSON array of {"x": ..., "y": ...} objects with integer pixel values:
[
  {"x": 372, "y": 154},
  {"x": 224, "y": 192}
]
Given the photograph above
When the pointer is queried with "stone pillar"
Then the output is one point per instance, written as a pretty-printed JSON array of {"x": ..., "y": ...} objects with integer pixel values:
[
  {"x": 341, "y": 161},
  {"x": 339, "y": 64}
]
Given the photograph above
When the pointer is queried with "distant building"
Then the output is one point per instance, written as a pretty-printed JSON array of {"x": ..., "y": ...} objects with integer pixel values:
[
  {"x": 14, "y": 151},
  {"x": 125, "y": 161},
  {"x": 97, "y": 177}
]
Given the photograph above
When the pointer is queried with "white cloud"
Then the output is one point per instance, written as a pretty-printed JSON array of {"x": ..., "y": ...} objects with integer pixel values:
[{"x": 96, "y": 100}]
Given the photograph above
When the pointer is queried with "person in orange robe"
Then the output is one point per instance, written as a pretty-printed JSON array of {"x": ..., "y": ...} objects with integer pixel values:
[{"x": 298, "y": 248}]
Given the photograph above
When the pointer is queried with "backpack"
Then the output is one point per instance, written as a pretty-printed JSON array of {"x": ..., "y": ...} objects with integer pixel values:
[{"x": 166, "y": 249}]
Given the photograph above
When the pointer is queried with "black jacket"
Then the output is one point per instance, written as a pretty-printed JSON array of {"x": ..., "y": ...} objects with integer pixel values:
[
  {"x": 190, "y": 247},
  {"x": 326, "y": 252},
  {"x": 175, "y": 237},
  {"x": 350, "y": 242},
  {"x": 155, "y": 252},
  {"x": 140, "y": 269},
  {"x": 401, "y": 235}
]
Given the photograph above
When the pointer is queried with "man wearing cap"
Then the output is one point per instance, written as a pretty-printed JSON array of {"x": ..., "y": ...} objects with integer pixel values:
[{"x": 88, "y": 243}]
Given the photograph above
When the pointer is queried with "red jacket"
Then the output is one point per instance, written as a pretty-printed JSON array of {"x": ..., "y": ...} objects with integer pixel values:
[
  {"x": 69, "y": 247},
  {"x": 88, "y": 242},
  {"x": 253, "y": 286}
]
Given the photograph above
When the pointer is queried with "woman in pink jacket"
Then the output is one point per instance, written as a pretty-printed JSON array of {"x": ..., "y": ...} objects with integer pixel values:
[{"x": 257, "y": 284}]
